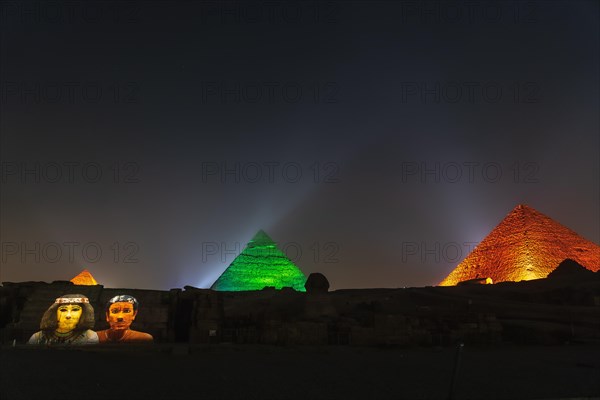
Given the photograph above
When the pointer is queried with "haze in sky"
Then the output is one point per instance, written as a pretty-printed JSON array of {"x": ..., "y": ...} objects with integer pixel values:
[{"x": 148, "y": 142}]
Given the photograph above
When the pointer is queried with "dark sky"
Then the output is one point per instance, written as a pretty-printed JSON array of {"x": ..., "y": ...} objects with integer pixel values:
[{"x": 376, "y": 142}]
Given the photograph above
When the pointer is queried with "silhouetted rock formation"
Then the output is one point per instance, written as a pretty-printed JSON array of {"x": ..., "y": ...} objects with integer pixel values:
[
  {"x": 570, "y": 269},
  {"x": 316, "y": 283}
]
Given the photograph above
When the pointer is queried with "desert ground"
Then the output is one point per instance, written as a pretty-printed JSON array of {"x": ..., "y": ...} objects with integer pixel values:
[{"x": 229, "y": 372}]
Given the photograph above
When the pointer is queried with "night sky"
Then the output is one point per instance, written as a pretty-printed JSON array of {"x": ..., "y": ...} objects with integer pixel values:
[{"x": 376, "y": 142}]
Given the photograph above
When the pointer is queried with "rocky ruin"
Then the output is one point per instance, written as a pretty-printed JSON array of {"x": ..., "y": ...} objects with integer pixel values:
[{"x": 553, "y": 310}]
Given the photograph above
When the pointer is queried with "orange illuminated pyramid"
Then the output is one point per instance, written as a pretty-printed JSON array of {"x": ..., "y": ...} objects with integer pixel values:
[
  {"x": 84, "y": 278},
  {"x": 525, "y": 245}
]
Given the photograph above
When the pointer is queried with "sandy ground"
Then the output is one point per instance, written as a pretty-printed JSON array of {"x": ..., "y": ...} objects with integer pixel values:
[{"x": 264, "y": 372}]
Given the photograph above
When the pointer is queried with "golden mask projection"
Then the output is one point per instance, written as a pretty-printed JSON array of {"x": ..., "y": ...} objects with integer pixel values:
[
  {"x": 69, "y": 321},
  {"x": 68, "y": 316},
  {"x": 121, "y": 311}
]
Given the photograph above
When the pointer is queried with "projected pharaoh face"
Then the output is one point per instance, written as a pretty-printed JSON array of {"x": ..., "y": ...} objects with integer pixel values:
[
  {"x": 68, "y": 316},
  {"x": 120, "y": 315}
]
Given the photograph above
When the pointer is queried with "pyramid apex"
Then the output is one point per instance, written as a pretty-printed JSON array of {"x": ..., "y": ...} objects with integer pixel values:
[
  {"x": 84, "y": 278},
  {"x": 260, "y": 238},
  {"x": 523, "y": 207},
  {"x": 526, "y": 211}
]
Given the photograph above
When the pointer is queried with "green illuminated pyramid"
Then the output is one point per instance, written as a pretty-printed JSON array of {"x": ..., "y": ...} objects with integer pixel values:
[{"x": 259, "y": 265}]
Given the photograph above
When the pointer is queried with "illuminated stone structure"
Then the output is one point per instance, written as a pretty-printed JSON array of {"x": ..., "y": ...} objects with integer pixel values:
[
  {"x": 261, "y": 264},
  {"x": 525, "y": 245},
  {"x": 84, "y": 278}
]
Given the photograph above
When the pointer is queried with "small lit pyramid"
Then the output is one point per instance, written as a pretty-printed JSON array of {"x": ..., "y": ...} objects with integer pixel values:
[
  {"x": 525, "y": 245},
  {"x": 84, "y": 278},
  {"x": 261, "y": 264}
]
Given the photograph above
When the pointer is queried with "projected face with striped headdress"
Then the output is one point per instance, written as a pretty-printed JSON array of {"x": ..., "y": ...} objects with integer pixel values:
[
  {"x": 68, "y": 322},
  {"x": 67, "y": 316}
]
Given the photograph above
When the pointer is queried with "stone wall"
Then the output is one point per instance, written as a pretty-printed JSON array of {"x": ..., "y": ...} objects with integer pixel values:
[{"x": 529, "y": 312}]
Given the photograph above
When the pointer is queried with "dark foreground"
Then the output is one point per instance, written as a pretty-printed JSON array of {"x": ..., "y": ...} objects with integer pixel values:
[{"x": 265, "y": 372}]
